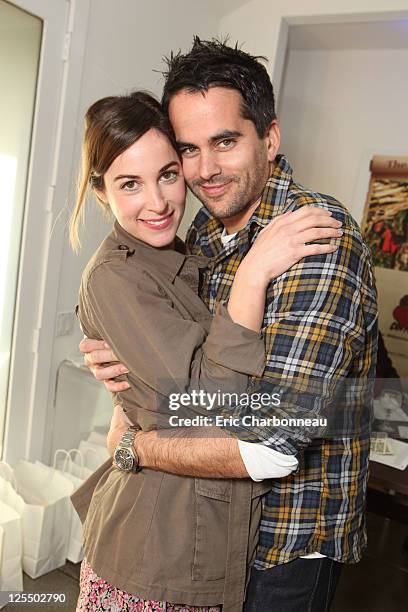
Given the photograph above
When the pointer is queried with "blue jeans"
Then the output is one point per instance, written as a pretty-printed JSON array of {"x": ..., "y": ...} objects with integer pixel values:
[{"x": 305, "y": 585}]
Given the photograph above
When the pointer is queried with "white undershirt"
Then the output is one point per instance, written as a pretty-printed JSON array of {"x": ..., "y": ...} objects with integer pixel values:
[{"x": 260, "y": 461}]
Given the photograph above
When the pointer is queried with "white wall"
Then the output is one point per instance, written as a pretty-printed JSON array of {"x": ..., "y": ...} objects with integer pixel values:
[
  {"x": 338, "y": 107},
  {"x": 262, "y": 24}
]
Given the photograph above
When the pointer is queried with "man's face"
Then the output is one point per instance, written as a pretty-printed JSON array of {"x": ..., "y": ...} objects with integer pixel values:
[{"x": 225, "y": 163}]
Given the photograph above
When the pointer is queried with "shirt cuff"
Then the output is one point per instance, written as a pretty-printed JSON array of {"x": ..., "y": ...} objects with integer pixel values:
[
  {"x": 262, "y": 462},
  {"x": 235, "y": 347}
]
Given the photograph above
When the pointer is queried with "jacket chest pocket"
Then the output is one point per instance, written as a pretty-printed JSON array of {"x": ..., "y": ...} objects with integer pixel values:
[{"x": 212, "y": 510}]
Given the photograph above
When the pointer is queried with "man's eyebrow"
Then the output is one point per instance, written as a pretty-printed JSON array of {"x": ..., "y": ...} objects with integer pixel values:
[
  {"x": 220, "y": 136},
  {"x": 225, "y": 134},
  {"x": 135, "y": 176}
]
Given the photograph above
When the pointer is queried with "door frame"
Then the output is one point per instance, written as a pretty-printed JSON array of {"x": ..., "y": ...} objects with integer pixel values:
[{"x": 48, "y": 187}]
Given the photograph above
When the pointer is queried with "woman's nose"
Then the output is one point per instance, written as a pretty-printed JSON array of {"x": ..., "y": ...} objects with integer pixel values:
[{"x": 157, "y": 202}]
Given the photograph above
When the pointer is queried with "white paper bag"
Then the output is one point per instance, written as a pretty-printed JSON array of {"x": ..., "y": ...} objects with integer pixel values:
[
  {"x": 11, "y": 542},
  {"x": 94, "y": 454},
  {"x": 46, "y": 517},
  {"x": 11, "y": 573},
  {"x": 76, "y": 467},
  {"x": 75, "y": 552}
]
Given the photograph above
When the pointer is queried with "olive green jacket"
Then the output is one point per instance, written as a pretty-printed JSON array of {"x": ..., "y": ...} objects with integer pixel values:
[{"x": 154, "y": 534}]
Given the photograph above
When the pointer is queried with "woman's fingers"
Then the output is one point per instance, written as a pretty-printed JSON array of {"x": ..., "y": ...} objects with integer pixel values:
[
  {"x": 318, "y": 233},
  {"x": 318, "y": 249},
  {"x": 304, "y": 218}
]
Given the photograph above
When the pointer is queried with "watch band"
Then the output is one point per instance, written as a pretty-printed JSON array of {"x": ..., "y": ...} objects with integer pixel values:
[{"x": 126, "y": 444}]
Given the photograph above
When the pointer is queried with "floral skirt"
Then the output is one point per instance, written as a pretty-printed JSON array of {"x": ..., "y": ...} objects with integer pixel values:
[{"x": 96, "y": 594}]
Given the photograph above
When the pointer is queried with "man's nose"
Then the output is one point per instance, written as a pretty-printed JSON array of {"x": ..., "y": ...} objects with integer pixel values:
[{"x": 209, "y": 166}]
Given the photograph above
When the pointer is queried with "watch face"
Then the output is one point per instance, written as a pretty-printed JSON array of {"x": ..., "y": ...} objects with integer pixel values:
[{"x": 124, "y": 459}]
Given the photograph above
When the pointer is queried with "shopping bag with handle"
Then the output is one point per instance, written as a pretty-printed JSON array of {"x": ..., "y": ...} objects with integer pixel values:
[
  {"x": 75, "y": 551},
  {"x": 94, "y": 454},
  {"x": 46, "y": 517},
  {"x": 11, "y": 545}
]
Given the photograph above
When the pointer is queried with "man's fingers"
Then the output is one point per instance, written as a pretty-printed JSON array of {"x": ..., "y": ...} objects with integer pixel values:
[
  {"x": 108, "y": 372},
  {"x": 116, "y": 387},
  {"x": 98, "y": 357},
  {"x": 87, "y": 345}
]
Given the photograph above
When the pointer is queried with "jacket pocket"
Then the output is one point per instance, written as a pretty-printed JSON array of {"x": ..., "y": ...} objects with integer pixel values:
[{"x": 212, "y": 508}]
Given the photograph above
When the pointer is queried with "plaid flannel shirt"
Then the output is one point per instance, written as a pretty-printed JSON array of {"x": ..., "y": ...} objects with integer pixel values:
[{"x": 320, "y": 324}]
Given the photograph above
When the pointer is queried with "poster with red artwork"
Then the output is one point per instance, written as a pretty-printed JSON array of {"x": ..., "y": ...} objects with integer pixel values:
[{"x": 385, "y": 222}]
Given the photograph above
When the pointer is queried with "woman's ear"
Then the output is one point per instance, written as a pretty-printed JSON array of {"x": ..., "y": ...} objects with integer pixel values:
[
  {"x": 272, "y": 140},
  {"x": 101, "y": 195}
]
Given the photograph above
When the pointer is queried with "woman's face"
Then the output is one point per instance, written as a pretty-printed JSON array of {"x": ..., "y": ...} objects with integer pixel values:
[{"x": 145, "y": 189}]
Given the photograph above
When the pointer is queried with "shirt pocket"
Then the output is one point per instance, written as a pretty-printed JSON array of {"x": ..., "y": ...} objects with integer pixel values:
[{"x": 212, "y": 509}]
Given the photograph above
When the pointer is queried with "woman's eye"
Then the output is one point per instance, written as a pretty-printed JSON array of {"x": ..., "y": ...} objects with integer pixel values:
[
  {"x": 169, "y": 177},
  {"x": 130, "y": 186}
]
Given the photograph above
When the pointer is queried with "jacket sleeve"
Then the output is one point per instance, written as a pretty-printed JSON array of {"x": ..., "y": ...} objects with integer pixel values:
[{"x": 166, "y": 351}]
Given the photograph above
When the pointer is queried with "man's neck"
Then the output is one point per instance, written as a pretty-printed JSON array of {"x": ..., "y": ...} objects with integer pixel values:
[{"x": 238, "y": 222}]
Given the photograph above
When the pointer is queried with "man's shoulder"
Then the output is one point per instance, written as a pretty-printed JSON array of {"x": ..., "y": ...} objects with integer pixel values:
[
  {"x": 299, "y": 196},
  {"x": 197, "y": 228}
]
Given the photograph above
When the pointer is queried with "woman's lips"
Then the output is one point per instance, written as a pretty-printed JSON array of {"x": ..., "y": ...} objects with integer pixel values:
[
  {"x": 159, "y": 224},
  {"x": 216, "y": 190}
]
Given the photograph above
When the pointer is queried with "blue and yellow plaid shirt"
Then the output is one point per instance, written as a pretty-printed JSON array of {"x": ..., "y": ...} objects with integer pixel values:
[{"x": 320, "y": 324}]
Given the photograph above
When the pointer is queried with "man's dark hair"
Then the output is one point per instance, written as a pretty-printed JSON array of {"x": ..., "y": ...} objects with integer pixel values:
[{"x": 212, "y": 63}]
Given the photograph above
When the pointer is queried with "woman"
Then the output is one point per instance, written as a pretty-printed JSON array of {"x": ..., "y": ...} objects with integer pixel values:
[{"x": 151, "y": 538}]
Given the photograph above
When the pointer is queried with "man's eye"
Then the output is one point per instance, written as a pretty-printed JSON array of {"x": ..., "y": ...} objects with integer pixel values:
[
  {"x": 226, "y": 143},
  {"x": 185, "y": 151}
]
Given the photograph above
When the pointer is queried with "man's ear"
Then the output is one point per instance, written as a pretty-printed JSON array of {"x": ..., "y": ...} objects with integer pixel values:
[{"x": 272, "y": 140}]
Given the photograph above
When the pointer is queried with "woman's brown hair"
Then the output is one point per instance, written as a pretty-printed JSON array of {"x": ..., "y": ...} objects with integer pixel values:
[{"x": 112, "y": 125}]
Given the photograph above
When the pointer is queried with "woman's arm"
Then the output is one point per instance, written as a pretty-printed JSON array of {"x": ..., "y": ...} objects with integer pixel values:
[{"x": 281, "y": 244}]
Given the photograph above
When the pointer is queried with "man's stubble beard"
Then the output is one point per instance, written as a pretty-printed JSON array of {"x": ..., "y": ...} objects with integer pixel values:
[{"x": 249, "y": 189}]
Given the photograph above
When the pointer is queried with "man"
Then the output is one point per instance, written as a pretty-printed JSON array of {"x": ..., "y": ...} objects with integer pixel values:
[{"x": 320, "y": 326}]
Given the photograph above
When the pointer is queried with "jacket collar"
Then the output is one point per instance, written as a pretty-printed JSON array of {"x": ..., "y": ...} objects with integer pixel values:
[{"x": 167, "y": 260}]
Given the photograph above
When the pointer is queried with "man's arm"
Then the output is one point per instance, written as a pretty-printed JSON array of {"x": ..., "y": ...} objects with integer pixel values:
[{"x": 205, "y": 453}]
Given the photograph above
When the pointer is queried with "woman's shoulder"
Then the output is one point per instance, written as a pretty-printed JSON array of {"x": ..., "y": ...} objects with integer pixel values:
[
  {"x": 110, "y": 257},
  {"x": 115, "y": 265}
]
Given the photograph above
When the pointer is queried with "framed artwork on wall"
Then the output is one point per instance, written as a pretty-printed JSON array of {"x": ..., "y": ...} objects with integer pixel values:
[{"x": 385, "y": 227}]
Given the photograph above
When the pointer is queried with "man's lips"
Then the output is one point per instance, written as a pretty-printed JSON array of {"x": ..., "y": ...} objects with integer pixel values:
[
  {"x": 158, "y": 224},
  {"x": 216, "y": 190}
]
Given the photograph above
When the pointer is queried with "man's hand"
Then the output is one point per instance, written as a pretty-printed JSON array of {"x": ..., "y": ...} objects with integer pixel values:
[
  {"x": 119, "y": 424},
  {"x": 96, "y": 354}
]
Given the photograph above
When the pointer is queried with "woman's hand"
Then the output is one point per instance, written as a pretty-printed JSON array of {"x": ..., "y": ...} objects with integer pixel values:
[{"x": 284, "y": 242}]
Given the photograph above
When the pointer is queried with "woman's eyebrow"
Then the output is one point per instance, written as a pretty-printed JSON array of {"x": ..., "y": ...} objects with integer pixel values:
[
  {"x": 126, "y": 176},
  {"x": 134, "y": 177},
  {"x": 169, "y": 165}
]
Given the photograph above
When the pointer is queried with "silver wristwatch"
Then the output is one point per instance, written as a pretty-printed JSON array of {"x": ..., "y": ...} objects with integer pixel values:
[{"x": 125, "y": 457}]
